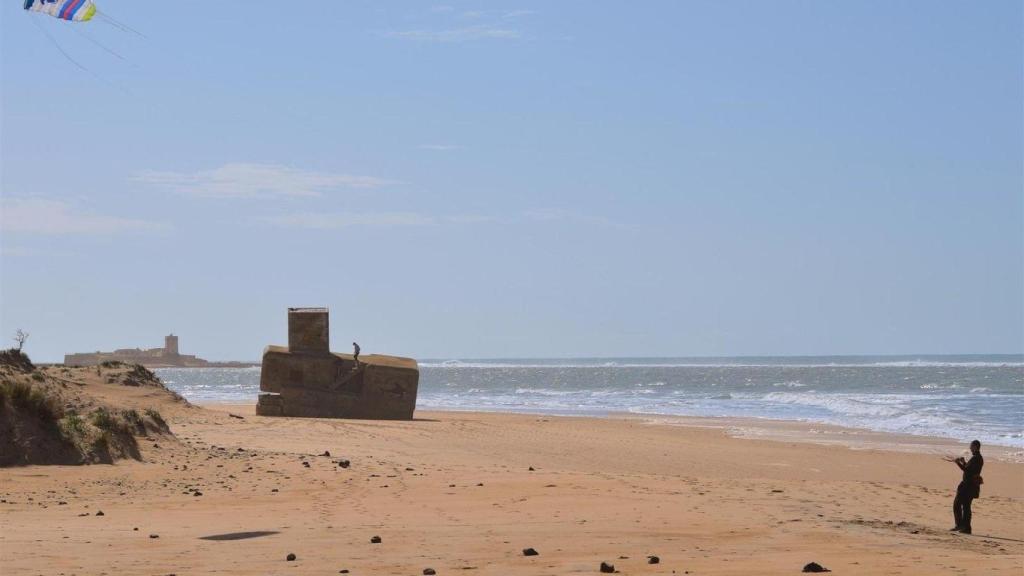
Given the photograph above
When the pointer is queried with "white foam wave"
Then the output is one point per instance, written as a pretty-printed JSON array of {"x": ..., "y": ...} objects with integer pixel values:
[
  {"x": 497, "y": 364},
  {"x": 549, "y": 392}
]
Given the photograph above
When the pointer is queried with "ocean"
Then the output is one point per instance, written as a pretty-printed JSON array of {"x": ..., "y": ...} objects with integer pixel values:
[{"x": 959, "y": 397}]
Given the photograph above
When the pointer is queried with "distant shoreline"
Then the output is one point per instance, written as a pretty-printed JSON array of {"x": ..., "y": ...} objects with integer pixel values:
[
  {"x": 165, "y": 366},
  {"x": 208, "y": 365}
]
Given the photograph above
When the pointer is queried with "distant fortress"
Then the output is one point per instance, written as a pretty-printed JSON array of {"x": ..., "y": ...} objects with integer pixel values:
[{"x": 168, "y": 356}]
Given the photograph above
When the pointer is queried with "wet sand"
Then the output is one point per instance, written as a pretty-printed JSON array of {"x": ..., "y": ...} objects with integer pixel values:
[{"x": 455, "y": 492}]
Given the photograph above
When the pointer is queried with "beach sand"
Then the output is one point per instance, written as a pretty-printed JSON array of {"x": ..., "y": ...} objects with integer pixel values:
[{"x": 455, "y": 492}]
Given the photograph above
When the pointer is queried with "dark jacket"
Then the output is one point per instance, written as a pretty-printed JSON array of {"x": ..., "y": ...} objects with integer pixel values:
[{"x": 971, "y": 484}]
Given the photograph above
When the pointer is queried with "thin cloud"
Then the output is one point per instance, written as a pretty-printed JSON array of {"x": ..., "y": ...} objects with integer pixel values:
[
  {"x": 504, "y": 14},
  {"x": 469, "y": 219},
  {"x": 15, "y": 251},
  {"x": 241, "y": 180},
  {"x": 56, "y": 218},
  {"x": 454, "y": 35},
  {"x": 518, "y": 13},
  {"x": 439, "y": 147},
  {"x": 334, "y": 221},
  {"x": 329, "y": 221},
  {"x": 561, "y": 215}
]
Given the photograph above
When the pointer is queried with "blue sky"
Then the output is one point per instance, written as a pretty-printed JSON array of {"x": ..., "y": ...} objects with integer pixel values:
[{"x": 531, "y": 179}]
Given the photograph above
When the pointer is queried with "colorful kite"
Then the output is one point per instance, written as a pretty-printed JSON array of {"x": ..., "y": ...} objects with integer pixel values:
[{"x": 71, "y": 10}]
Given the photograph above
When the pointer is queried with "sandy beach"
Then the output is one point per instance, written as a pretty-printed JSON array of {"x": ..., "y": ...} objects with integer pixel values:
[{"x": 456, "y": 492}]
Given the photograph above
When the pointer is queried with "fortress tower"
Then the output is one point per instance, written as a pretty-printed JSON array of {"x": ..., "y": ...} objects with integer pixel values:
[{"x": 170, "y": 345}]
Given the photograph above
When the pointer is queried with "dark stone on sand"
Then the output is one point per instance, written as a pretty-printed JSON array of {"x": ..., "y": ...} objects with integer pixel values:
[
  {"x": 815, "y": 567},
  {"x": 100, "y": 513},
  {"x": 327, "y": 453},
  {"x": 530, "y": 552},
  {"x": 154, "y": 535},
  {"x": 531, "y": 468},
  {"x": 343, "y": 571},
  {"x": 343, "y": 463},
  {"x": 607, "y": 568},
  {"x": 197, "y": 493},
  {"x": 136, "y": 529},
  {"x": 428, "y": 572},
  {"x": 306, "y": 464},
  {"x": 290, "y": 557},
  {"x": 653, "y": 560},
  {"x": 375, "y": 540}
]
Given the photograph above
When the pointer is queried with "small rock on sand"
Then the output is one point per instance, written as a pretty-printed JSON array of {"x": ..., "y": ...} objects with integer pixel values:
[
  {"x": 343, "y": 463},
  {"x": 154, "y": 535},
  {"x": 530, "y": 552},
  {"x": 428, "y": 572},
  {"x": 290, "y": 557},
  {"x": 375, "y": 540},
  {"x": 815, "y": 567},
  {"x": 327, "y": 453},
  {"x": 100, "y": 513},
  {"x": 607, "y": 568},
  {"x": 653, "y": 560}
]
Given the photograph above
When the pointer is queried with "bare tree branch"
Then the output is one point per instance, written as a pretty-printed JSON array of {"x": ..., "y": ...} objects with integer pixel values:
[{"x": 20, "y": 336}]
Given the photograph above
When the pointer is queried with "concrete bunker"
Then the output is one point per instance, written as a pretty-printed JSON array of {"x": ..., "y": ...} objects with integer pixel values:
[{"x": 306, "y": 379}]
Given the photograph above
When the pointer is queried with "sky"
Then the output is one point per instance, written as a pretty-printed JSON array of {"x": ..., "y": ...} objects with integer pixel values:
[{"x": 530, "y": 179}]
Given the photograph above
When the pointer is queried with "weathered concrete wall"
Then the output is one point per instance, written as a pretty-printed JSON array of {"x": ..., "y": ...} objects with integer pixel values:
[
  {"x": 308, "y": 330},
  {"x": 332, "y": 386},
  {"x": 310, "y": 381}
]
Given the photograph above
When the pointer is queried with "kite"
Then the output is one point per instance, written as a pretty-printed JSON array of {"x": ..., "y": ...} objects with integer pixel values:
[{"x": 70, "y": 10}]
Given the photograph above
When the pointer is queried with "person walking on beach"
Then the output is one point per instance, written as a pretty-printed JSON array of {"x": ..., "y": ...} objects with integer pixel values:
[
  {"x": 355, "y": 353},
  {"x": 969, "y": 488}
]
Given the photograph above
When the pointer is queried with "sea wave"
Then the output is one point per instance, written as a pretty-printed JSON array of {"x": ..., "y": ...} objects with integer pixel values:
[
  {"x": 981, "y": 400},
  {"x": 499, "y": 364}
]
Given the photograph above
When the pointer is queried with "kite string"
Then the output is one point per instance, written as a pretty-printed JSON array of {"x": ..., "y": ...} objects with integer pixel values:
[
  {"x": 73, "y": 61},
  {"x": 58, "y": 46},
  {"x": 96, "y": 43},
  {"x": 119, "y": 25}
]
